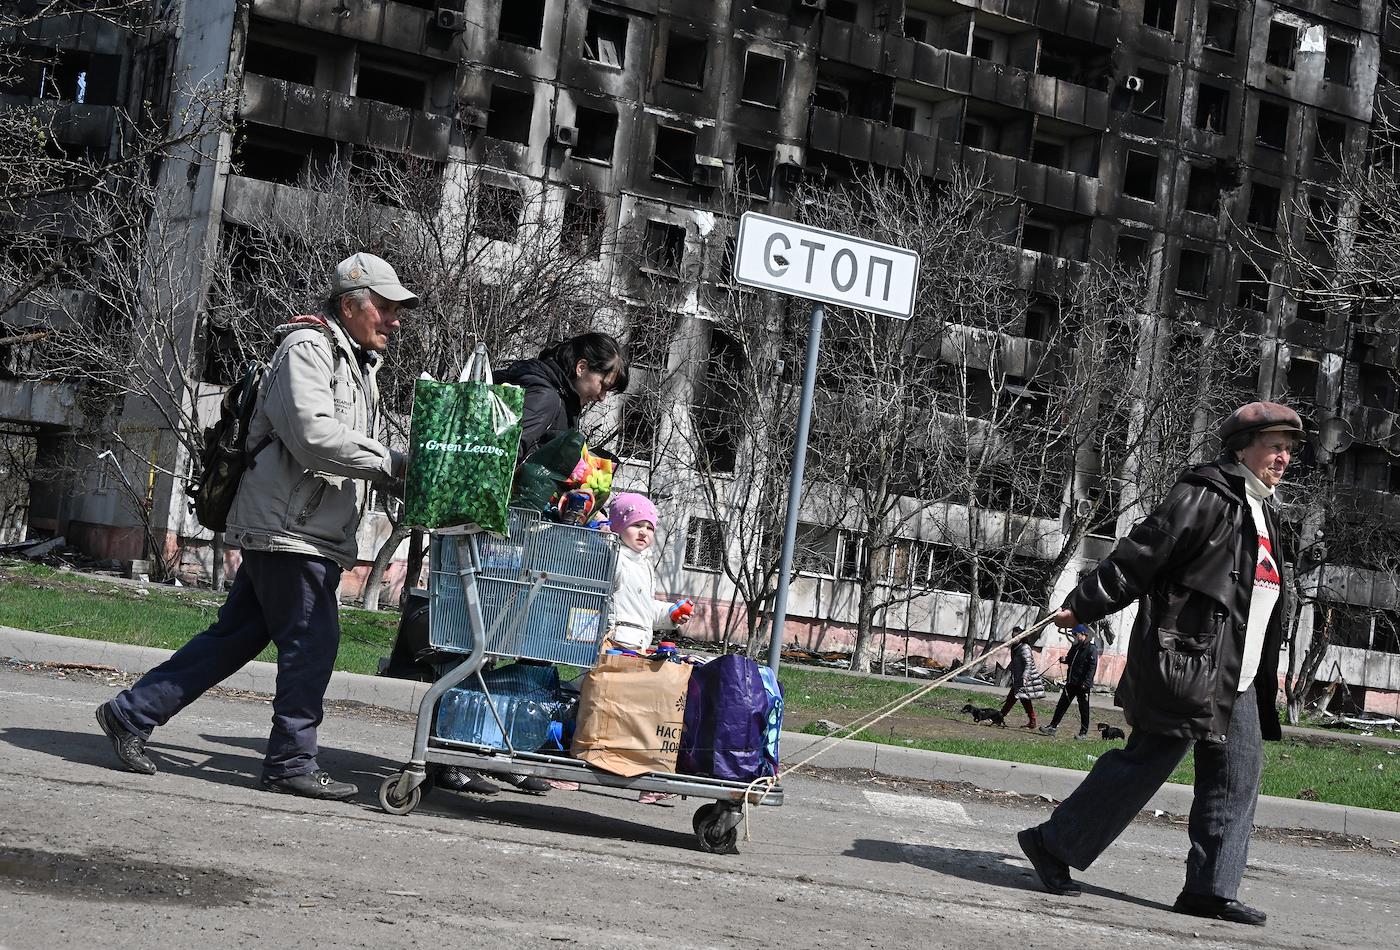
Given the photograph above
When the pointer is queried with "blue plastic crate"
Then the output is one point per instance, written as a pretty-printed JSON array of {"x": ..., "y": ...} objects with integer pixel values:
[{"x": 545, "y": 590}]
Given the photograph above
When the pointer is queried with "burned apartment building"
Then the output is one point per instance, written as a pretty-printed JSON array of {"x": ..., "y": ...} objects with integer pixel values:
[{"x": 1148, "y": 130}]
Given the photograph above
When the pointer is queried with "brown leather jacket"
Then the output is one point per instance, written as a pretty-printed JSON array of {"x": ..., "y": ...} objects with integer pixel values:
[{"x": 1190, "y": 565}]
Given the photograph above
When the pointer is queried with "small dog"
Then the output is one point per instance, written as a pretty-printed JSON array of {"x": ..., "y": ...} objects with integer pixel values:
[
  {"x": 1110, "y": 732},
  {"x": 978, "y": 713}
]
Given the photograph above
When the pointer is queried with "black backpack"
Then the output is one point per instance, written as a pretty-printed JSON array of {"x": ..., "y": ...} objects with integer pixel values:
[{"x": 225, "y": 456}]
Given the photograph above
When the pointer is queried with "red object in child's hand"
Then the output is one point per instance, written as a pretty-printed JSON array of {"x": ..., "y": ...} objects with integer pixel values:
[{"x": 681, "y": 611}]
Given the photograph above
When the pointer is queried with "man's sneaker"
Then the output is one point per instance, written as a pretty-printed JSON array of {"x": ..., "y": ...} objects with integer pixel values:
[
  {"x": 1047, "y": 730},
  {"x": 317, "y": 784},
  {"x": 1218, "y": 908},
  {"x": 128, "y": 746},
  {"x": 1053, "y": 873},
  {"x": 1083, "y": 736},
  {"x": 455, "y": 779},
  {"x": 527, "y": 783}
]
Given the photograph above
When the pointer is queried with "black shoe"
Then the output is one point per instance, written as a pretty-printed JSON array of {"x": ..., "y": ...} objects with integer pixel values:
[
  {"x": 128, "y": 746},
  {"x": 527, "y": 783},
  {"x": 1053, "y": 872},
  {"x": 317, "y": 784},
  {"x": 1218, "y": 908},
  {"x": 456, "y": 779}
]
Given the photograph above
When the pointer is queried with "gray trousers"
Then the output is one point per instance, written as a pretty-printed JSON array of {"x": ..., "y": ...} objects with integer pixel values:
[{"x": 1124, "y": 780}]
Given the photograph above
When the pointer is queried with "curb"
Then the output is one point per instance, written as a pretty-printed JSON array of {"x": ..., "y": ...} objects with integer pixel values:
[{"x": 994, "y": 774}]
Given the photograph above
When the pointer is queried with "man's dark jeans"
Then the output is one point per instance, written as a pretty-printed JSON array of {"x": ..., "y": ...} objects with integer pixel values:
[
  {"x": 1069, "y": 694},
  {"x": 285, "y": 599}
]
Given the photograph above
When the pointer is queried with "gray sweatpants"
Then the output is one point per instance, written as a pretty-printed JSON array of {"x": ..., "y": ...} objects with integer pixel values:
[{"x": 1124, "y": 780}]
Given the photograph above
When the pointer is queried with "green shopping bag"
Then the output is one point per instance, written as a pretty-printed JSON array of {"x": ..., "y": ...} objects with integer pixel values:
[{"x": 463, "y": 440}]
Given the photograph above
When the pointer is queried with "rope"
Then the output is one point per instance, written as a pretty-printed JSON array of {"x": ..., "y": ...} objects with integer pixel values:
[{"x": 759, "y": 787}]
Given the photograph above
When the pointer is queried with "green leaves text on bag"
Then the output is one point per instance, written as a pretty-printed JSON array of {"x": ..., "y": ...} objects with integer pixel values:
[{"x": 463, "y": 440}]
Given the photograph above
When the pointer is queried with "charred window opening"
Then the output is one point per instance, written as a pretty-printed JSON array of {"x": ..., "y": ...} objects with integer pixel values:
[
  {"x": 1049, "y": 151},
  {"x": 522, "y": 22},
  {"x": 674, "y": 157},
  {"x": 1337, "y": 67},
  {"x": 663, "y": 248},
  {"x": 1160, "y": 14},
  {"x": 685, "y": 60},
  {"x": 1377, "y": 385},
  {"x": 277, "y": 62},
  {"x": 1042, "y": 317},
  {"x": 597, "y": 133},
  {"x": 904, "y": 116},
  {"x": 1212, "y": 106},
  {"x": 510, "y": 115},
  {"x": 1331, "y": 136},
  {"x": 831, "y": 98},
  {"x": 1301, "y": 380},
  {"x": 1151, "y": 100},
  {"x": 393, "y": 178},
  {"x": 842, "y": 10},
  {"x": 605, "y": 39},
  {"x": 395, "y": 88},
  {"x": 636, "y": 431},
  {"x": 1323, "y": 208},
  {"x": 1310, "y": 311},
  {"x": 68, "y": 75},
  {"x": 1050, "y": 231},
  {"x": 753, "y": 170},
  {"x": 1203, "y": 190},
  {"x": 1132, "y": 250},
  {"x": 1263, "y": 206},
  {"x": 1282, "y": 43},
  {"x": 1076, "y": 61},
  {"x": 763, "y": 80},
  {"x": 1271, "y": 126},
  {"x": 718, "y": 428},
  {"x": 585, "y": 220},
  {"x": 1140, "y": 176},
  {"x": 1222, "y": 24},
  {"x": 498, "y": 211},
  {"x": 1192, "y": 273},
  {"x": 916, "y": 27},
  {"x": 281, "y": 156},
  {"x": 1252, "y": 288}
]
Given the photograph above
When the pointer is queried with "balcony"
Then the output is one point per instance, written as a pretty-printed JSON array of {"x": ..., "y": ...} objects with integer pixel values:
[{"x": 333, "y": 115}]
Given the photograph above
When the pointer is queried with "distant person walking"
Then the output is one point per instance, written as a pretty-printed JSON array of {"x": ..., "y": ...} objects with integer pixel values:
[
  {"x": 1081, "y": 665},
  {"x": 1026, "y": 682},
  {"x": 1202, "y": 666},
  {"x": 295, "y": 517}
]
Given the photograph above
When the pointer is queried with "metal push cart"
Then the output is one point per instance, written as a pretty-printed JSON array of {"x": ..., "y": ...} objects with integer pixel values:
[{"x": 541, "y": 593}]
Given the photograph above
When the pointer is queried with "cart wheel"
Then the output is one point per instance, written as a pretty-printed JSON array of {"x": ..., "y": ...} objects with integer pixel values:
[
  {"x": 398, "y": 806},
  {"x": 716, "y": 828}
]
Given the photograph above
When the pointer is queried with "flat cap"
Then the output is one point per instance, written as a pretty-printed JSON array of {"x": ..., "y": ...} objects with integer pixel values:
[{"x": 1261, "y": 417}]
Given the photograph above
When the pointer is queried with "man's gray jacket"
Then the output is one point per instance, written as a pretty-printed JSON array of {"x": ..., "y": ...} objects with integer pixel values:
[{"x": 302, "y": 493}]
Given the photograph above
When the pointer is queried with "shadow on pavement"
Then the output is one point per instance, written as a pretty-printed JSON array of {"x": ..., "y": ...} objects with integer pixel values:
[
  {"x": 549, "y": 812},
  {"x": 983, "y": 867}
]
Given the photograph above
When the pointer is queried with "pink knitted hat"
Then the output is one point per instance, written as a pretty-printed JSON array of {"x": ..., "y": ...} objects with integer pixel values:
[{"x": 629, "y": 508}]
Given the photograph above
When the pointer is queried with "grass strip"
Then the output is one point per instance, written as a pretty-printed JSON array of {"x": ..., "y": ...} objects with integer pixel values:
[{"x": 34, "y": 597}]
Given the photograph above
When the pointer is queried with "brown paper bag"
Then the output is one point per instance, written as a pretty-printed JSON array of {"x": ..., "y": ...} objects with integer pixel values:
[{"x": 630, "y": 713}]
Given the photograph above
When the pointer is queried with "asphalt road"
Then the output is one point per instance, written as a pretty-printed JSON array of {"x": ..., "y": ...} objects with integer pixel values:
[{"x": 198, "y": 856}]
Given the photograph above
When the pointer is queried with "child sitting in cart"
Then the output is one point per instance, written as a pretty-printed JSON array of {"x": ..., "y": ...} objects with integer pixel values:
[{"x": 636, "y": 613}]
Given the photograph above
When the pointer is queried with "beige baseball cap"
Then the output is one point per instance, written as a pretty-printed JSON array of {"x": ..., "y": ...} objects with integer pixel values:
[{"x": 366, "y": 271}]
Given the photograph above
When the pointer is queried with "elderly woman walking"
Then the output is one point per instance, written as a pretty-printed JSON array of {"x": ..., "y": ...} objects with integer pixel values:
[
  {"x": 1026, "y": 682},
  {"x": 1202, "y": 666}
]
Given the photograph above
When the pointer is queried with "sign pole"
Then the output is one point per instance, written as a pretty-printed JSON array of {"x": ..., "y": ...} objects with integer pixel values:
[{"x": 799, "y": 459}]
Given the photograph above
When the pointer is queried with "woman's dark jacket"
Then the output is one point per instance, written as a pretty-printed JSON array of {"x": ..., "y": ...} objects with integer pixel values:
[
  {"x": 1190, "y": 565},
  {"x": 551, "y": 404},
  {"x": 1081, "y": 663}
]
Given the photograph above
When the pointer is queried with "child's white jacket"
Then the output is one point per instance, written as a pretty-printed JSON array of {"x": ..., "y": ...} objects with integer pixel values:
[{"x": 635, "y": 610}]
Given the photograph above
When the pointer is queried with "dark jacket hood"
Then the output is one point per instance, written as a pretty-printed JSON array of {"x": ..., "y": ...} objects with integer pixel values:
[{"x": 532, "y": 373}]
